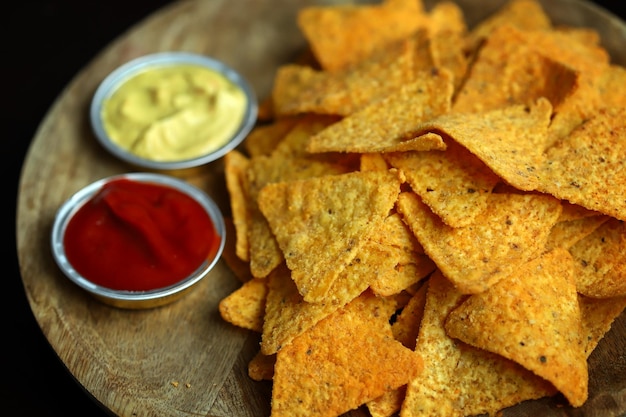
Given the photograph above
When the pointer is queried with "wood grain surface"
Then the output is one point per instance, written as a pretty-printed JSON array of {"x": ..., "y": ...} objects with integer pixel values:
[{"x": 183, "y": 359}]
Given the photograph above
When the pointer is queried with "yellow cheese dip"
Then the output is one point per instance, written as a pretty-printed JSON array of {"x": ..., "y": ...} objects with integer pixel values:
[{"x": 174, "y": 113}]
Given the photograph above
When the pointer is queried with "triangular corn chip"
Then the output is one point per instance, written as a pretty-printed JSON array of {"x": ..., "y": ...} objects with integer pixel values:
[
  {"x": 601, "y": 261},
  {"x": 235, "y": 167},
  {"x": 509, "y": 140},
  {"x": 381, "y": 126},
  {"x": 343, "y": 35},
  {"x": 513, "y": 229},
  {"x": 321, "y": 223},
  {"x": 245, "y": 307},
  {"x": 342, "y": 362},
  {"x": 454, "y": 183},
  {"x": 588, "y": 167},
  {"x": 460, "y": 380},
  {"x": 511, "y": 319}
]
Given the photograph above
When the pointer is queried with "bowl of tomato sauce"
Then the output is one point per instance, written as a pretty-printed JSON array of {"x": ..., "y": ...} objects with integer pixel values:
[{"x": 138, "y": 240}]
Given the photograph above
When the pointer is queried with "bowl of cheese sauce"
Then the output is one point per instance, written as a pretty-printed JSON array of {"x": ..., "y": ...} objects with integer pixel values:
[{"x": 173, "y": 110}]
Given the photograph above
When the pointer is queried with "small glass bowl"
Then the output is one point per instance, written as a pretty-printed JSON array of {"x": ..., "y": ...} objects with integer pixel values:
[
  {"x": 159, "y": 60},
  {"x": 135, "y": 299}
]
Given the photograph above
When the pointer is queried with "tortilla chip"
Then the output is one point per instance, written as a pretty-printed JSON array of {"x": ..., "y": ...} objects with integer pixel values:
[
  {"x": 521, "y": 14},
  {"x": 403, "y": 270},
  {"x": 454, "y": 183},
  {"x": 387, "y": 404},
  {"x": 287, "y": 315},
  {"x": 489, "y": 383},
  {"x": 342, "y": 362},
  {"x": 508, "y": 70},
  {"x": 588, "y": 167},
  {"x": 597, "y": 317},
  {"x": 564, "y": 234},
  {"x": 446, "y": 17},
  {"x": 343, "y": 35},
  {"x": 601, "y": 261},
  {"x": 510, "y": 140},
  {"x": 458, "y": 379},
  {"x": 265, "y": 254},
  {"x": 263, "y": 139},
  {"x": 345, "y": 92},
  {"x": 235, "y": 166},
  {"x": 612, "y": 86},
  {"x": 373, "y": 162},
  {"x": 261, "y": 367},
  {"x": 513, "y": 229},
  {"x": 240, "y": 268},
  {"x": 392, "y": 120},
  {"x": 334, "y": 212},
  {"x": 245, "y": 307},
  {"x": 406, "y": 327},
  {"x": 447, "y": 51},
  {"x": 575, "y": 212},
  {"x": 511, "y": 319}
]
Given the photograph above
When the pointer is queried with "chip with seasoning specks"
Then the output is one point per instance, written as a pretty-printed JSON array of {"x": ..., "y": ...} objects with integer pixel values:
[
  {"x": 342, "y": 362},
  {"x": 511, "y": 230},
  {"x": 532, "y": 318},
  {"x": 333, "y": 212}
]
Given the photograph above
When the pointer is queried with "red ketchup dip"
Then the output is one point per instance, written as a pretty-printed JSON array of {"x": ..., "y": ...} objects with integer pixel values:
[{"x": 139, "y": 236}]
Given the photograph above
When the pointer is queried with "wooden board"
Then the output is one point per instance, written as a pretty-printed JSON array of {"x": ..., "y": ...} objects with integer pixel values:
[{"x": 130, "y": 360}]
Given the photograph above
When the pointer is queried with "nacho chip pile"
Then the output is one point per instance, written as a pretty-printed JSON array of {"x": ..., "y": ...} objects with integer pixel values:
[{"x": 429, "y": 218}]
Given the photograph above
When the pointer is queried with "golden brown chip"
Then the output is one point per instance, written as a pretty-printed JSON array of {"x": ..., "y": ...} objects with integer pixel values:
[
  {"x": 512, "y": 230},
  {"x": 263, "y": 139},
  {"x": 390, "y": 121},
  {"x": 402, "y": 271},
  {"x": 601, "y": 261},
  {"x": 407, "y": 324},
  {"x": 459, "y": 380},
  {"x": 344, "y": 92},
  {"x": 245, "y": 307},
  {"x": 611, "y": 85},
  {"x": 287, "y": 315},
  {"x": 446, "y": 17},
  {"x": 454, "y": 183},
  {"x": 343, "y": 35},
  {"x": 489, "y": 383},
  {"x": 532, "y": 318},
  {"x": 372, "y": 162},
  {"x": 261, "y": 367},
  {"x": 508, "y": 70},
  {"x": 509, "y": 140},
  {"x": 588, "y": 166},
  {"x": 447, "y": 49},
  {"x": 387, "y": 404},
  {"x": 321, "y": 223},
  {"x": 284, "y": 164},
  {"x": 597, "y": 317},
  {"x": 564, "y": 234},
  {"x": 235, "y": 166},
  {"x": 342, "y": 362},
  {"x": 426, "y": 394},
  {"x": 522, "y": 14},
  {"x": 240, "y": 268}
]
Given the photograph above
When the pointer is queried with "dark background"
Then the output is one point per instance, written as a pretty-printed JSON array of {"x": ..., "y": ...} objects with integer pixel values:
[{"x": 44, "y": 45}]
